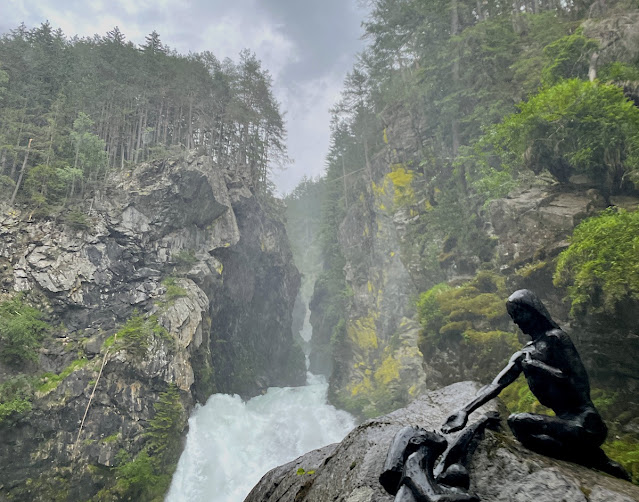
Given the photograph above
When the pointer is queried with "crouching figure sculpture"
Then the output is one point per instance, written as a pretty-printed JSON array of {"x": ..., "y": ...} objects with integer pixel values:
[{"x": 557, "y": 378}]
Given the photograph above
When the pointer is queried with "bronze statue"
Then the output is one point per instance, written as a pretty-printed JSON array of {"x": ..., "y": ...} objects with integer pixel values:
[{"x": 557, "y": 377}]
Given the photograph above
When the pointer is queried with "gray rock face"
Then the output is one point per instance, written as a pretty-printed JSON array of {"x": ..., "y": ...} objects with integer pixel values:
[
  {"x": 181, "y": 240},
  {"x": 501, "y": 470},
  {"x": 539, "y": 220}
]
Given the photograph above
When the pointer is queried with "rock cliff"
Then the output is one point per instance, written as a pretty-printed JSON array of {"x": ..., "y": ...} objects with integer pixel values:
[
  {"x": 178, "y": 283},
  {"x": 383, "y": 358},
  {"x": 501, "y": 469}
]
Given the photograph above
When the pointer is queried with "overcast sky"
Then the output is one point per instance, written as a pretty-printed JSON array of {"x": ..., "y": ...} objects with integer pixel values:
[{"x": 307, "y": 45}]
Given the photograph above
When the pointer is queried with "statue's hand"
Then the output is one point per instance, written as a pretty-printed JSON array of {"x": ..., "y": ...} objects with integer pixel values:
[{"x": 455, "y": 422}]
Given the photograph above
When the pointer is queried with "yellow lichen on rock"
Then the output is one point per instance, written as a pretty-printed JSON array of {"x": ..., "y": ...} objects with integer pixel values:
[
  {"x": 388, "y": 371},
  {"x": 363, "y": 333},
  {"x": 363, "y": 387}
]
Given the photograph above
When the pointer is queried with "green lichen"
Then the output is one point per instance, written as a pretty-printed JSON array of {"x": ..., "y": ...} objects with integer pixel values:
[{"x": 388, "y": 371}]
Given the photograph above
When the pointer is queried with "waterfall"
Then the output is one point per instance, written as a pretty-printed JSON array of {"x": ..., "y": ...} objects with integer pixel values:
[{"x": 231, "y": 444}]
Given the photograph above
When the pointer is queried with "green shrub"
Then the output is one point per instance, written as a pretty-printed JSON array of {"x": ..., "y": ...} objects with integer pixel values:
[
  {"x": 618, "y": 71},
  {"x": 136, "y": 334},
  {"x": 184, "y": 259},
  {"x": 146, "y": 478},
  {"x": 173, "y": 291},
  {"x": 574, "y": 127},
  {"x": 568, "y": 57},
  {"x": 15, "y": 399},
  {"x": 21, "y": 331},
  {"x": 167, "y": 424},
  {"x": 77, "y": 220},
  {"x": 601, "y": 265}
]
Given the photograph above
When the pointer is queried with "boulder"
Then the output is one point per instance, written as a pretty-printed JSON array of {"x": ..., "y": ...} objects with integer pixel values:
[{"x": 501, "y": 469}]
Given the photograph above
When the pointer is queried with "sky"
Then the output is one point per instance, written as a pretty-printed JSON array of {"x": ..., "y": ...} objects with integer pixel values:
[{"x": 308, "y": 46}]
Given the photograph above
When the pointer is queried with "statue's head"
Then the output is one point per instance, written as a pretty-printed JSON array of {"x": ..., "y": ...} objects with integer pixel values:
[{"x": 529, "y": 313}]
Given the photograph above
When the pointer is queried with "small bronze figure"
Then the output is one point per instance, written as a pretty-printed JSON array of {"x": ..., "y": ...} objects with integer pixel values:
[{"x": 557, "y": 377}]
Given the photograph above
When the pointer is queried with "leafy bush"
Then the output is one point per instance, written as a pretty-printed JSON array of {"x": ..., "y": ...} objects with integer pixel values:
[
  {"x": 574, "y": 127},
  {"x": 568, "y": 57},
  {"x": 15, "y": 398},
  {"x": 21, "y": 331},
  {"x": 618, "y": 71},
  {"x": 601, "y": 266}
]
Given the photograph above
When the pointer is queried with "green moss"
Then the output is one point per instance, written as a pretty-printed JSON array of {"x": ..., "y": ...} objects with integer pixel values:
[
  {"x": 519, "y": 399},
  {"x": 601, "y": 265},
  {"x": 625, "y": 450},
  {"x": 112, "y": 438},
  {"x": 455, "y": 328},
  {"x": 472, "y": 320},
  {"x": 50, "y": 381},
  {"x": 446, "y": 312},
  {"x": 531, "y": 268}
]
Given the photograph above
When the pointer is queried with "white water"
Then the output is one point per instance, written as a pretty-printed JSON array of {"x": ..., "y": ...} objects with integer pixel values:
[{"x": 231, "y": 444}]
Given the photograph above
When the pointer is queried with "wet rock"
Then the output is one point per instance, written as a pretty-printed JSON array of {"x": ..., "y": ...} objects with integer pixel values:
[{"x": 501, "y": 469}]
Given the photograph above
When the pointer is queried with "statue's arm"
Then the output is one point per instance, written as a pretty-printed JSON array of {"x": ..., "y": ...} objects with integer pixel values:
[{"x": 507, "y": 376}]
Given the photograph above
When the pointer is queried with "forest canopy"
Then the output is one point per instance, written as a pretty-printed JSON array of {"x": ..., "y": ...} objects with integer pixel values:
[{"x": 73, "y": 109}]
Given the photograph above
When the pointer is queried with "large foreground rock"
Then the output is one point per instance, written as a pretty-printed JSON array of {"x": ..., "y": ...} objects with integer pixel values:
[{"x": 501, "y": 470}]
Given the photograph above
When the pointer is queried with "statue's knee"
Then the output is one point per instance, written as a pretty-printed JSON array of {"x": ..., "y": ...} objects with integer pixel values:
[{"x": 518, "y": 418}]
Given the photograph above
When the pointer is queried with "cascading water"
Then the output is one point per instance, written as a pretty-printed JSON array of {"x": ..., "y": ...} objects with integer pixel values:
[{"x": 231, "y": 444}]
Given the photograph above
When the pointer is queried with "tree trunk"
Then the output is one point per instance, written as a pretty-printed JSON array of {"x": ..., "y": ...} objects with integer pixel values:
[
  {"x": 15, "y": 156},
  {"x": 139, "y": 138},
  {"x": 19, "y": 182},
  {"x": 344, "y": 180},
  {"x": 3, "y": 161},
  {"x": 592, "y": 70},
  {"x": 189, "y": 141},
  {"x": 454, "y": 28}
]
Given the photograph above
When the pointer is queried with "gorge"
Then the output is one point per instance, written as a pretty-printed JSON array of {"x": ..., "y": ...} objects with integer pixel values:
[{"x": 156, "y": 293}]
